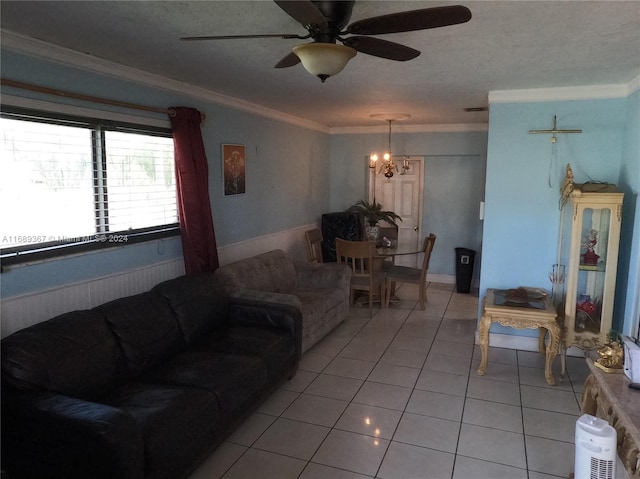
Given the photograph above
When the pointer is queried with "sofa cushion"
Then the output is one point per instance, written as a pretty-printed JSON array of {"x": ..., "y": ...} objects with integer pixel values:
[
  {"x": 146, "y": 329},
  {"x": 320, "y": 299},
  {"x": 276, "y": 347},
  {"x": 317, "y": 306},
  {"x": 234, "y": 378},
  {"x": 75, "y": 354},
  {"x": 175, "y": 423},
  {"x": 282, "y": 270},
  {"x": 198, "y": 303},
  {"x": 250, "y": 273}
]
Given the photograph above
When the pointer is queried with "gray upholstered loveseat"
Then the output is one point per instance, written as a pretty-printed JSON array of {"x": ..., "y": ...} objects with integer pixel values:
[{"x": 319, "y": 290}]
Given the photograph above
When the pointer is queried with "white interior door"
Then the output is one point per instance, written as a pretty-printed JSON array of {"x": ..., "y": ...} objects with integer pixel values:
[{"x": 403, "y": 193}]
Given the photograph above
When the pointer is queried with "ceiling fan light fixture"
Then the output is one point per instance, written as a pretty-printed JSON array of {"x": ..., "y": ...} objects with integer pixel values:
[{"x": 324, "y": 59}]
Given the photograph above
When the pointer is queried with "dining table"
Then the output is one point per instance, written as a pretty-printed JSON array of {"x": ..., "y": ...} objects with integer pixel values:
[
  {"x": 388, "y": 252},
  {"x": 398, "y": 248}
]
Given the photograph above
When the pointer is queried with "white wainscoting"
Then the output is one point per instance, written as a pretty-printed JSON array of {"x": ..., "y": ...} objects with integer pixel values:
[
  {"x": 18, "y": 312},
  {"x": 21, "y": 311},
  {"x": 292, "y": 241}
]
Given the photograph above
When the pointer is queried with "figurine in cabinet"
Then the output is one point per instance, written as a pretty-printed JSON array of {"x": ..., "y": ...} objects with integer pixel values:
[{"x": 590, "y": 234}]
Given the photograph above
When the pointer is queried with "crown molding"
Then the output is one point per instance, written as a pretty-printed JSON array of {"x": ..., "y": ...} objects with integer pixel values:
[
  {"x": 590, "y": 92},
  {"x": 425, "y": 128},
  {"x": 65, "y": 56},
  {"x": 47, "y": 51},
  {"x": 634, "y": 85}
]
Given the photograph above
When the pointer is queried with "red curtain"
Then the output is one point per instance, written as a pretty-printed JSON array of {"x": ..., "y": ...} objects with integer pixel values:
[{"x": 194, "y": 207}]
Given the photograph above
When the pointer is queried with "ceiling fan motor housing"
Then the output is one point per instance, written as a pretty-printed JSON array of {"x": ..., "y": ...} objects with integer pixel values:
[{"x": 337, "y": 14}]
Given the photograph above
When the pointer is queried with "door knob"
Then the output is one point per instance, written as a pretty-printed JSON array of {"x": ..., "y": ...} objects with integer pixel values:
[{"x": 415, "y": 228}]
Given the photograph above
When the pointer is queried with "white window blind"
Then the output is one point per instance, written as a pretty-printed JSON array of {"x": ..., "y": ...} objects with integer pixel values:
[
  {"x": 140, "y": 180},
  {"x": 66, "y": 182}
]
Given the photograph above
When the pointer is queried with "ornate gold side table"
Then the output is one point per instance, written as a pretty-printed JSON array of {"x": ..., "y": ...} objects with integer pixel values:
[{"x": 539, "y": 314}]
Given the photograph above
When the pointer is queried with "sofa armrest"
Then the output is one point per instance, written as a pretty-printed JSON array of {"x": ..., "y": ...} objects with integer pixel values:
[
  {"x": 262, "y": 308},
  {"x": 238, "y": 296},
  {"x": 323, "y": 275},
  {"x": 50, "y": 435}
]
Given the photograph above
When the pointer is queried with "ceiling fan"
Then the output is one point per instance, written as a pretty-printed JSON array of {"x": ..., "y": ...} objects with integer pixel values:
[{"x": 326, "y": 23}]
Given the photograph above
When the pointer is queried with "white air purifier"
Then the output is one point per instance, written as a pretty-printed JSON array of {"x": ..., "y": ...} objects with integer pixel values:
[{"x": 595, "y": 449}]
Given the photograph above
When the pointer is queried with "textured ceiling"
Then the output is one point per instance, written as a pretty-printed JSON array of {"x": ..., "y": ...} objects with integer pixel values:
[{"x": 506, "y": 45}]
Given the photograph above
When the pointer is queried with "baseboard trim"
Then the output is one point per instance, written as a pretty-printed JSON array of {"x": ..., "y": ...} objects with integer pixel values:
[
  {"x": 523, "y": 343},
  {"x": 508, "y": 341},
  {"x": 441, "y": 278}
]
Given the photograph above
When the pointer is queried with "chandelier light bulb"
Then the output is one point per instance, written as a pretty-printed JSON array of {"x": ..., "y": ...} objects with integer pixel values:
[{"x": 388, "y": 165}]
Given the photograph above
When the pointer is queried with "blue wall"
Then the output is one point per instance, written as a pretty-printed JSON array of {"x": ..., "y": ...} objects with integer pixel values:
[
  {"x": 524, "y": 172},
  {"x": 454, "y": 172},
  {"x": 287, "y": 178},
  {"x": 627, "y": 299},
  {"x": 350, "y": 174}
]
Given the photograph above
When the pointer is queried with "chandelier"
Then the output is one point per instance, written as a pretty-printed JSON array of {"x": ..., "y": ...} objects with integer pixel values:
[{"x": 388, "y": 165}]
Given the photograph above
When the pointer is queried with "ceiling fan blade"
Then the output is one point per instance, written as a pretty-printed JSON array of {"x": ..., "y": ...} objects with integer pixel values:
[
  {"x": 411, "y": 20},
  {"x": 381, "y": 48},
  {"x": 290, "y": 60},
  {"x": 303, "y": 11},
  {"x": 234, "y": 37}
]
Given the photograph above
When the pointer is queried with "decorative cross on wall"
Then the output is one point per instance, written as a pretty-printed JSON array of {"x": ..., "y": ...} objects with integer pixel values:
[{"x": 554, "y": 131}]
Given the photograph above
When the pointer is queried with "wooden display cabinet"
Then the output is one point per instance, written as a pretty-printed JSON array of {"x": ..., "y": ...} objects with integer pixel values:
[{"x": 590, "y": 238}]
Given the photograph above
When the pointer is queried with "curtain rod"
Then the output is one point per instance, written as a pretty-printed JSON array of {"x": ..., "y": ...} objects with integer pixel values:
[{"x": 78, "y": 96}]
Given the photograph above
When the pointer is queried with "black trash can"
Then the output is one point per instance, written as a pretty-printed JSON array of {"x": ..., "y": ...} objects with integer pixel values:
[{"x": 464, "y": 269}]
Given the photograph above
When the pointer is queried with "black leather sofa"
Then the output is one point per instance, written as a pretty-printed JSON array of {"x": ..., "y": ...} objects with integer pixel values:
[{"x": 141, "y": 387}]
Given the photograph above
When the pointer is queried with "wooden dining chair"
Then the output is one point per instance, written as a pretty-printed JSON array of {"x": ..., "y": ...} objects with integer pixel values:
[
  {"x": 314, "y": 245},
  {"x": 406, "y": 274},
  {"x": 366, "y": 273}
]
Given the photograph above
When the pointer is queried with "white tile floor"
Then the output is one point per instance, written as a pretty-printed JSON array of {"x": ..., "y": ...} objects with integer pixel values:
[{"x": 397, "y": 396}]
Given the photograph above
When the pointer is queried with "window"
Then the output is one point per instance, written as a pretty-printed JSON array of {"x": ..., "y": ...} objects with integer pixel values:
[{"x": 70, "y": 184}]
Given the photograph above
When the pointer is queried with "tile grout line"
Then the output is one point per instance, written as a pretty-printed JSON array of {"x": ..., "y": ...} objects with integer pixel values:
[
  {"x": 524, "y": 435},
  {"x": 377, "y": 362},
  {"x": 334, "y": 356},
  {"x": 464, "y": 407},
  {"x": 363, "y": 383},
  {"x": 353, "y": 335},
  {"x": 414, "y": 384},
  {"x": 332, "y": 428}
]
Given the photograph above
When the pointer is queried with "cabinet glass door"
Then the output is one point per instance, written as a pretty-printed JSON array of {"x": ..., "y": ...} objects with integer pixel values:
[{"x": 592, "y": 269}]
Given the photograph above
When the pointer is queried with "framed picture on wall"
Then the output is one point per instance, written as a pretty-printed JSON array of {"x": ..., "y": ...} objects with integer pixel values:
[{"x": 233, "y": 169}]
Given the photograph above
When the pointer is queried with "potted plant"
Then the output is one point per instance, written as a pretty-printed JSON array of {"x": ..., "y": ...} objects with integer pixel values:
[{"x": 373, "y": 214}]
